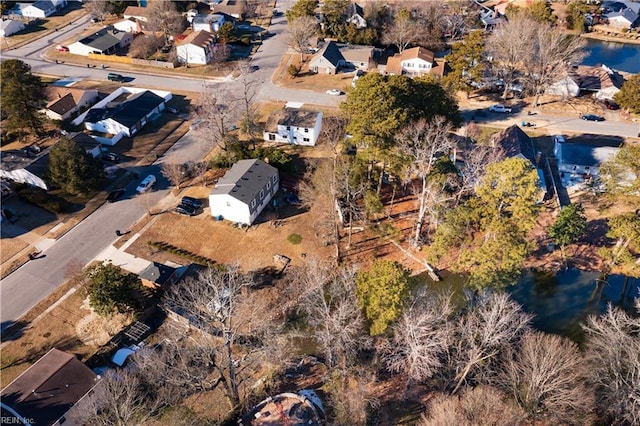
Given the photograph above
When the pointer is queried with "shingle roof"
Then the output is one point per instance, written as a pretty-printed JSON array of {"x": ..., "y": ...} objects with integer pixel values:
[
  {"x": 136, "y": 11},
  {"x": 49, "y": 388},
  {"x": 157, "y": 273},
  {"x": 291, "y": 117},
  {"x": 597, "y": 78},
  {"x": 129, "y": 112},
  {"x": 331, "y": 53},
  {"x": 43, "y": 5},
  {"x": 85, "y": 141},
  {"x": 513, "y": 141},
  {"x": 245, "y": 179},
  {"x": 199, "y": 38},
  {"x": 356, "y": 53},
  {"x": 586, "y": 155},
  {"x": 104, "y": 38},
  {"x": 62, "y": 105}
]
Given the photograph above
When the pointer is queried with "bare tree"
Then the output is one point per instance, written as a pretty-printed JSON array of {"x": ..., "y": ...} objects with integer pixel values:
[
  {"x": 419, "y": 340},
  {"x": 613, "y": 349},
  {"x": 479, "y": 406},
  {"x": 491, "y": 327},
  {"x": 145, "y": 45},
  {"x": 221, "y": 52},
  {"x": 249, "y": 116},
  {"x": 301, "y": 30},
  {"x": 403, "y": 32},
  {"x": 476, "y": 159},
  {"x": 351, "y": 396},
  {"x": 218, "y": 112},
  {"x": 545, "y": 375},
  {"x": 336, "y": 321},
  {"x": 164, "y": 17},
  {"x": 551, "y": 50},
  {"x": 419, "y": 142},
  {"x": 217, "y": 303},
  {"x": 98, "y": 9},
  {"x": 508, "y": 53},
  {"x": 199, "y": 170},
  {"x": 175, "y": 172}
]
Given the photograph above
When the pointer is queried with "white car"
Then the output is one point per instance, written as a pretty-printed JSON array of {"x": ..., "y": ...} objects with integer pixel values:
[
  {"x": 146, "y": 184},
  {"x": 334, "y": 92},
  {"x": 499, "y": 108}
]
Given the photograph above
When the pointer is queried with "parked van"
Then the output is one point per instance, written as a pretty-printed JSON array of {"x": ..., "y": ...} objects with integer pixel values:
[
  {"x": 115, "y": 77},
  {"x": 146, "y": 184}
]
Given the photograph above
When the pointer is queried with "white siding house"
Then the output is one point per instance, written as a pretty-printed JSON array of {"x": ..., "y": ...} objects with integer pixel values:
[
  {"x": 244, "y": 191},
  {"x": 210, "y": 23},
  {"x": 568, "y": 87},
  {"x": 10, "y": 26},
  {"x": 412, "y": 62},
  {"x": 197, "y": 48},
  {"x": 130, "y": 25},
  {"x": 39, "y": 9},
  {"x": 62, "y": 102},
  {"x": 578, "y": 162},
  {"x": 294, "y": 126},
  {"x": 105, "y": 41}
]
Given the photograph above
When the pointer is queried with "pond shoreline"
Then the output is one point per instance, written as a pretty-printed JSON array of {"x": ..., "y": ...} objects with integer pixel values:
[{"x": 605, "y": 37}]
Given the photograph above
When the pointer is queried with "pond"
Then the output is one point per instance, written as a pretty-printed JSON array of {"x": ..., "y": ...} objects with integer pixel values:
[
  {"x": 619, "y": 56},
  {"x": 561, "y": 301}
]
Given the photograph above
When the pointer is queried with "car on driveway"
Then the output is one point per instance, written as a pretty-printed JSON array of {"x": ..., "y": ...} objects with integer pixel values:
[
  {"x": 62, "y": 48},
  {"x": 611, "y": 105},
  {"x": 592, "y": 117},
  {"x": 115, "y": 195},
  {"x": 334, "y": 92},
  {"x": 192, "y": 202},
  {"x": 146, "y": 184},
  {"x": 500, "y": 108},
  {"x": 186, "y": 210},
  {"x": 111, "y": 157}
]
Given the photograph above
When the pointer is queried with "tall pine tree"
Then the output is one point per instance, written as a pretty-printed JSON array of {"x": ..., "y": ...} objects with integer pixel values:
[
  {"x": 72, "y": 169},
  {"x": 22, "y": 96}
]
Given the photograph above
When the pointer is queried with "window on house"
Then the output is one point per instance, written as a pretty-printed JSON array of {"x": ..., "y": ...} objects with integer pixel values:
[
  {"x": 272, "y": 137},
  {"x": 306, "y": 139},
  {"x": 288, "y": 128},
  {"x": 228, "y": 204},
  {"x": 306, "y": 130},
  {"x": 261, "y": 193},
  {"x": 275, "y": 180},
  {"x": 295, "y": 138},
  {"x": 269, "y": 185},
  {"x": 253, "y": 204}
]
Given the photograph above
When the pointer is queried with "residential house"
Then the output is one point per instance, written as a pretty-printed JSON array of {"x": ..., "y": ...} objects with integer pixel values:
[
  {"x": 490, "y": 18},
  {"x": 129, "y": 25},
  {"x": 568, "y": 87},
  {"x": 580, "y": 162},
  {"x": 137, "y": 13},
  {"x": 28, "y": 166},
  {"x": 40, "y": 9},
  {"x": 244, "y": 191},
  {"x": 294, "y": 126},
  {"x": 90, "y": 145},
  {"x": 210, "y": 23},
  {"x": 50, "y": 392},
  {"x": 412, "y": 62},
  {"x": 327, "y": 60},
  {"x": 355, "y": 16},
  {"x": 159, "y": 276},
  {"x": 602, "y": 81},
  {"x": 235, "y": 8},
  {"x": 10, "y": 26},
  {"x": 514, "y": 142},
  {"x": 105, "y": 41},
  {"x": 123, "y": 113},
  {"x": 197, "y": 48},
  {"x": 357, "y": 56},
  {"x": 623, "y": 19},
  {"x": 62, "y": 102}
]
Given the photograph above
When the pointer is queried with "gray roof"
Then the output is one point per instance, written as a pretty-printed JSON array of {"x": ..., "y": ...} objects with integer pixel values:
[
  {"x": 291, "y": 117},
  {"x": 245, "y": 180},
  {"x": 104, "y": 39},
  {"x": 157, "y": 273},
  {"x": 43, "y": 5},
  {"x": 586, "y": 155},
  {"x": 85, "y": 141},
  {"x": 514, "y": 141},
  {"x": 127, "y": 113},
  {"x": 331, "y": 53}
]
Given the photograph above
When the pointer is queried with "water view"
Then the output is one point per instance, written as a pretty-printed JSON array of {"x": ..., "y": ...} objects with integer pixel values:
[
  {"x": 562, "y": 301},
  {"x": 619, "y": 56}
]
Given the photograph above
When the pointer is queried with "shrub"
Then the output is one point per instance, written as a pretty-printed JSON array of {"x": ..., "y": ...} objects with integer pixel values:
[
  {"x": 195, "y": 258},
  {"x": 41, "y": 198},
  {"x": 294, "y": 238},
  {"x": 294, "y": 70}
]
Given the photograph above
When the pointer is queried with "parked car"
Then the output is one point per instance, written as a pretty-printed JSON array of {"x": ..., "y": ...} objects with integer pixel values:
[
  {"x": 186, "y": 210},
  {"x": 62, "y": 48},
  {"x": 112, "y": 157},
  {"x": 146, "y": 184},
  {"x": 115, "y": 77},
  {"x": 610, "y": 105},
  {"x": 115, "y": 195},
  {"x": 192, "y": 202},
  {"x": 334, "y": 92},
  {"x": 500, "y": 108},
  {"x": 592, "y": 117}
]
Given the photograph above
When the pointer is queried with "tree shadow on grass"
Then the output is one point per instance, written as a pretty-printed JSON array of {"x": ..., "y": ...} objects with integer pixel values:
[{"x": 65, "y": 344}]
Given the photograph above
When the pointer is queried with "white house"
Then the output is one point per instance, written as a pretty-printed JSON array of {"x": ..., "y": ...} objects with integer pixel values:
[
  {"x": 10, "y": 26},
  {"x": 105, "y": 42},
  {"x": 244, "y": 191},
  {"x": 130, "y": 25},
  {"x": 39, "y": 9},
  {"x": 197, "y": 48},
  {"x": 294, "y": 126},
  {"x": 622, "y": 19},
  {"x": 210, "y": 23},
  {"x": 355, "y": 16},
  {"x": 327, "y": 60},
  {"x": 412, "y": 62},
  {"x": 123, "y": 113},
  {"x": 62, "y": 102},
  {"x": 578, "y": 162},
  {"x": 137, "y": 13},
  {"x": 568, "y": 87}
]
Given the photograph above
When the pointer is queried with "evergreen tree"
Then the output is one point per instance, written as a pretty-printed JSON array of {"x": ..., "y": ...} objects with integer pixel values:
[
  {"x": 301, "y": 8},
  {"x": 22, "y": 96},
  {"x": 72, "y": 169},
  {"x": 629, "y": 95},
  {"x": 569, "y": 226},
  {"x": 111, "y": 289},
  {"x": 466, "y": 62}
]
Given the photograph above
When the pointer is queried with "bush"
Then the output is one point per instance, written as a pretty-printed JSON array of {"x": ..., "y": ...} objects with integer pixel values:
[
  {"x": 294, "y": 239},
  {"x": 294, "y": 70},
  {"x": 41, "y": 198},
  {"x": 195, "y": 258},
  {"x": 278, "y": 158}
]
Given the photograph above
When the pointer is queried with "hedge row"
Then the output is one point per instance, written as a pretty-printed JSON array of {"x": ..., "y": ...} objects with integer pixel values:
[{"x": 195, "y": 258}]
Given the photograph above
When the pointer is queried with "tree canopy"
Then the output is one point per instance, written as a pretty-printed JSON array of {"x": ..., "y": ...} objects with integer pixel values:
[
  {"x": 72, "y": 169},
  {"x": 621, "y": 174},
  {"x": 569, "y": 226},
  {"x": 466, "y": 62},
  {"x": 301, "y": 8},
  {"x": 381, "y": 291},
  {"x": 22, "y": 96},
  {"x": 629, "y": 95},
  {"x": 111, "y": 289}
]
